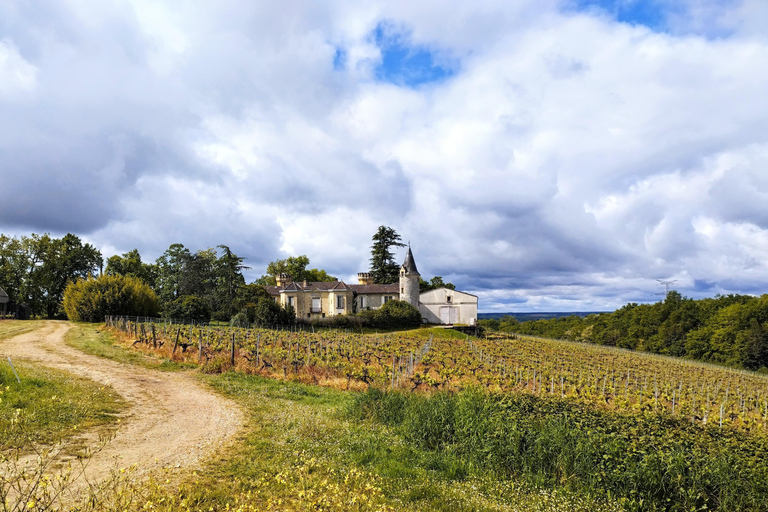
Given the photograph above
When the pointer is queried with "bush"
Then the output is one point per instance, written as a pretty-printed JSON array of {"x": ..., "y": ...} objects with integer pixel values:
[
  {"x": 265, "y": 312},
  {"x": 189, "y": 307},
  {"x": 90, "y": 300},
  {"x": 395, "y": 314}
]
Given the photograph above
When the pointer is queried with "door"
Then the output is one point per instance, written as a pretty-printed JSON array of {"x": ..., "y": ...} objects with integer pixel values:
[{"x": 449, "y": 315}]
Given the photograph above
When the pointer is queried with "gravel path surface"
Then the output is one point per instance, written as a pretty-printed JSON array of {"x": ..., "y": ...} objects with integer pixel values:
[{"x": 173, "y": 421}]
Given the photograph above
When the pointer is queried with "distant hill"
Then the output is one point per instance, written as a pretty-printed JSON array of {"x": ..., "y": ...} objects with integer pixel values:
[{"x": 524, "y": 317}]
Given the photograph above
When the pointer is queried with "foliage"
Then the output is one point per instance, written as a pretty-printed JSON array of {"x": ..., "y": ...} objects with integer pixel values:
[
  {"x": 130, "y": 264},
  {"x": 646, "y": 461},
  {"x": 383, "y": 267},
  {"x": 230, "y": 278},
  {"x": 506, "y": 323},
  {"x": 265, "y": 312},
  {"x": 90, "y": 300},
  {"x": 433, "y": 284},
  {"x": 213, "y": 279},
  {"x": 731, "y": 329},
  {"x": 189, "y": 307},
  {"x": 35, "y": 270},
  {"x": 296, "y": 268}
]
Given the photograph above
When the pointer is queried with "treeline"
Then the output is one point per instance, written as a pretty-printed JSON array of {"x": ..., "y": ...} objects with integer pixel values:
[
  {"x": 35, "y": 270},
  {"x": 727, "y": 329},
  {"x": 207, "y": 284}
]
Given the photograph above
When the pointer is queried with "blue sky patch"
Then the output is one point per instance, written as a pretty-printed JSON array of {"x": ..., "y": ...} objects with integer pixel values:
[
  {"x": 340, "y": 59},
  {"x": 650, "y": 13},
  {"x": 405, "y": 64}
]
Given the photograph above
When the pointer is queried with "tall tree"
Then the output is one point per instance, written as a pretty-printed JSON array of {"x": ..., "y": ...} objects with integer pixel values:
[
  {"x": 383, "y": 266},
  {"x": 296, "y": 267},
  {"x": 170, "y": 267},
  {"x": 229, "y": 270},
  {"x": 130, "y": 264}
]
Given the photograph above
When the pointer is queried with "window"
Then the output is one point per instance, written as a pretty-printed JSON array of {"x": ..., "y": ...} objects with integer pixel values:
[
  {"x": 339, "y": 302},
  {"x": 387, "y": 298},
  {"x": 362, "y": 302},
  {"x": 292, "y": 302},
  {"x": 316, "y": 305},
  {"x": 448, "y": 298}
]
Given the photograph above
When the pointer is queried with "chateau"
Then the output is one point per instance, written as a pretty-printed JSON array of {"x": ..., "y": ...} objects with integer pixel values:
[{"x": 322, "y": 299}]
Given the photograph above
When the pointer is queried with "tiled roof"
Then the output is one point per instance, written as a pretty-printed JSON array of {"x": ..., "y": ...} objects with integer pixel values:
[
  {"x": 375, "y": 288},
  {"x": 320, "y": 286},
  {"x": 3, "y": 295},
  {"x": 273, "y": 290}
]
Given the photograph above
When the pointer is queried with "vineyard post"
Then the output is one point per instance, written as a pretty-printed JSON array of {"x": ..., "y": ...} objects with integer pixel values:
[
  {"x": 154, "y": 337},
  {"x": 200, "y": 347},
  {"x": 258, "y": 339},
  {"x": 232, "y": 357},
  {"x": 175, "y": 343},
  {"x": 393, "y": 371}
]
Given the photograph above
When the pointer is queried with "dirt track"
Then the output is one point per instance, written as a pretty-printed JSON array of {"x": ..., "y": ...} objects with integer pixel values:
[{"x": 172, "y": 421}]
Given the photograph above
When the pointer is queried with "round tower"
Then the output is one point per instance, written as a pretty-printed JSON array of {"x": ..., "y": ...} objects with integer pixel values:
[{"x": 409, "y": 280}]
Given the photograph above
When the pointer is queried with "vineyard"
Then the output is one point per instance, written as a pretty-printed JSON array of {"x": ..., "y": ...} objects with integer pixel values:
[{"x": 437, "y": 359}]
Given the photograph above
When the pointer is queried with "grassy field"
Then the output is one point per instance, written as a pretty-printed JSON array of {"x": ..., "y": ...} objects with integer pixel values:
[{"x": 47, "y": 405}]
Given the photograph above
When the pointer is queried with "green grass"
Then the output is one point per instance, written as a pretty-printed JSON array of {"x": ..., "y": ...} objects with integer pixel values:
[
  {"x": 11, "y": 328},
  {"x": 50, "y": 405},
  {"x": 94, "y": 339}
]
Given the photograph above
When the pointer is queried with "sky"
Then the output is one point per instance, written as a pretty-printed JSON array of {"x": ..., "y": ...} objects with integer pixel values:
[{"x": 544, "y": 155}]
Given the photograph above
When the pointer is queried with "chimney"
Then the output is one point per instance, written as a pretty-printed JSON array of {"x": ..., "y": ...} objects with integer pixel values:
[
  {"x": 283, "y": 280},
  {"x": 364, "y": 278}
]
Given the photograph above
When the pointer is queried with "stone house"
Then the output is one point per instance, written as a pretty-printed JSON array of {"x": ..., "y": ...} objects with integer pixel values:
[{"x": 324, "y": 299}]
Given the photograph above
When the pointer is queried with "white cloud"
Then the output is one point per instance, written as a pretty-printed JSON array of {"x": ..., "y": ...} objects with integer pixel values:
[
  {"x": 16, "y": 74},
  {"x": 569, "y": 162}
]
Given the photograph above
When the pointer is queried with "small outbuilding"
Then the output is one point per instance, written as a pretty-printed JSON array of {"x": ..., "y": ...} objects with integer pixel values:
[
  {"x": 3, "y": 302},
  {"x": 448, "y": 307}
]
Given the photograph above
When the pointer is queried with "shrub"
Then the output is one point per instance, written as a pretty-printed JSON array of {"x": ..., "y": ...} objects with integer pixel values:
[
  {"x": 397, "y": 314},
  {"x": 90, "y": 300},
  {"x": 189, "y": 307}
]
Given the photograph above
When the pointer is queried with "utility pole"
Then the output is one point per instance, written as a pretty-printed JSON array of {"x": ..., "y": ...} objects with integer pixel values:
[{"x": 666, "y": 284}]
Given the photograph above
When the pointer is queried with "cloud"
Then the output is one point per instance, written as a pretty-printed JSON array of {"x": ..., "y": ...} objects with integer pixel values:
[{"x": 544, "y": 155}]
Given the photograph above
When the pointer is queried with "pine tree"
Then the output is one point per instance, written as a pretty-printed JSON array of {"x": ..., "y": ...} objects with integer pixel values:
[{"x": 383, "y": 266}]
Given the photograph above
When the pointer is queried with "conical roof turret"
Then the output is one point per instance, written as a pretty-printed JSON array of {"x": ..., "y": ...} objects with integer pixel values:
[{"x": 409, "y": 265}]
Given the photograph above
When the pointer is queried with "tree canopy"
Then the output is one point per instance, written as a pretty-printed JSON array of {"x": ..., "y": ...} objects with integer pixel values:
[
  {"x": 296, "y": 268},
  {"x": 36, "y": 269},
  {"x": 726, "y": 329},
  {"x": 384, "y": 269}
]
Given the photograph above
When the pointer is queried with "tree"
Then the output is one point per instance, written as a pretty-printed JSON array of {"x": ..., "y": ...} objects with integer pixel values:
[
  {"x": 296, "y": 267},
  {"x": 383, "y": 266},
  {"x": 229, "y": 269},
  {"x": 170, "y": 267},
  {"x": 433, "y": 284},
  {"x": 130, "y": 264}
]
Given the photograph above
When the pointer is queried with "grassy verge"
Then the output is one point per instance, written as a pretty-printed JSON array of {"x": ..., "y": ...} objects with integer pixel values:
[
  {"x": 49, "y": 405},
  {"x": 94, "y": 339},
  {"x": 11, "y": 328}
]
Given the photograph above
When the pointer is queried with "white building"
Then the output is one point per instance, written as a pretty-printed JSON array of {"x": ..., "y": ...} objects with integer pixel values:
[{"x": 446, "y": 306}]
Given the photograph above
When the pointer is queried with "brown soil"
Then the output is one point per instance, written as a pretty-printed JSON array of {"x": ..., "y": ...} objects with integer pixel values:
[{"x": 173, "y": 421}]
